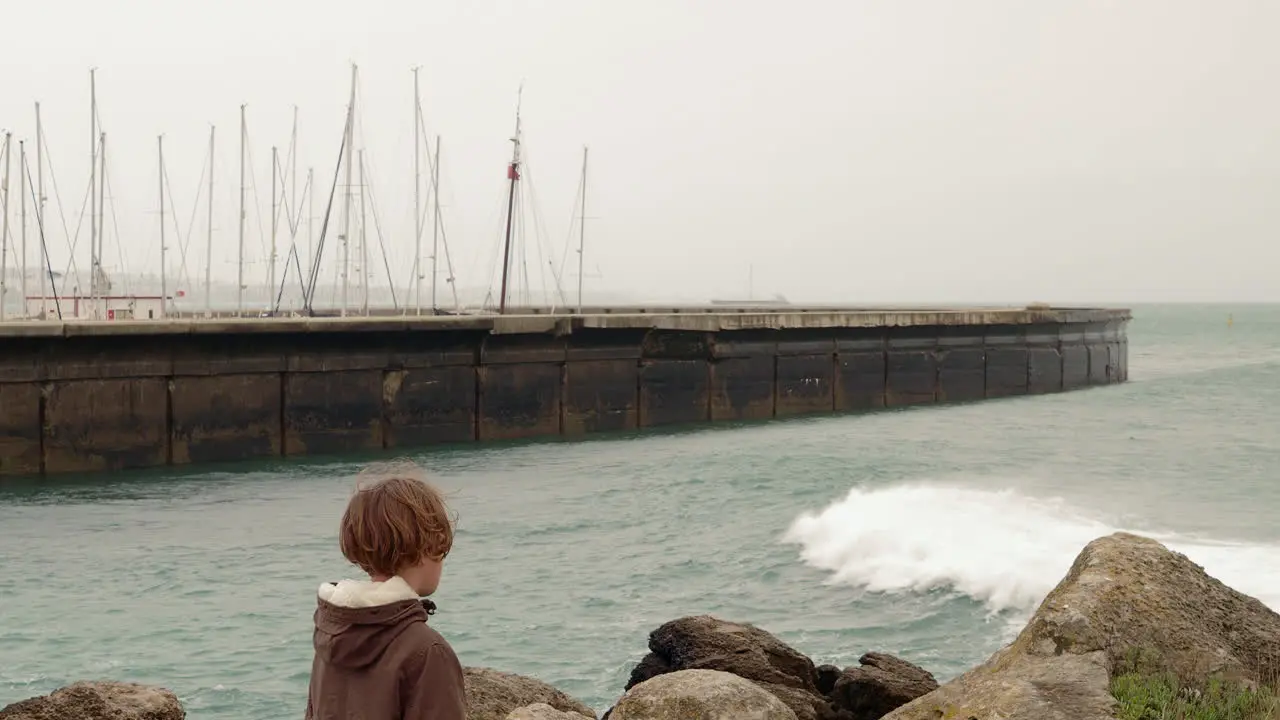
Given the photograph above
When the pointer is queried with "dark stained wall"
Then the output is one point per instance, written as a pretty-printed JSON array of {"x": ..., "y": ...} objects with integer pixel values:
[{"x": 97, "y": 403}]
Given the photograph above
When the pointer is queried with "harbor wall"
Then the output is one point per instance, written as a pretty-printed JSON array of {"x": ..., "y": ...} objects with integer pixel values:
[{"x": 89, "y": 397}]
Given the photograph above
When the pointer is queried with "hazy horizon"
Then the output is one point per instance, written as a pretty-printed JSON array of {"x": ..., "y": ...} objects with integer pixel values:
[{"x": 1085, "y": 152}]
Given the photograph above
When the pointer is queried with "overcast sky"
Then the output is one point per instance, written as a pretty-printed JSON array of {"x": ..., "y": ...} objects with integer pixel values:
[{"x": 842, "y": 151}]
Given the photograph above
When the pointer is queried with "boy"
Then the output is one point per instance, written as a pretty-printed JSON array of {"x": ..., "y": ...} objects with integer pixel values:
[{"x": 375, "y": 656}]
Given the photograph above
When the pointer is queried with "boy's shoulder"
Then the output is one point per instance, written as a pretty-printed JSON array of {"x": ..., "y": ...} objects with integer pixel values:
[{"x": 421, "y": 641}]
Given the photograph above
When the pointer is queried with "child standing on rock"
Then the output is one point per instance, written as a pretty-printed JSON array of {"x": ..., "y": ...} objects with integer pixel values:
[{"x": 375, "y": 656}]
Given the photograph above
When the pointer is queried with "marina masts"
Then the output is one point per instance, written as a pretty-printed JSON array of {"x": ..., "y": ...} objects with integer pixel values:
[
  {"x": 22, "y": 197},
  {"x": 435, "y": 224},
  {"x": 4, "y": 231},
  {"x": 417, "y": 198},
  {"x": 582, "y": 227},
  {"x": 164, "y": 285},
  {"x": 44, "y": 289},
  {"x": 274, "y": 160},
  {"x": 346, "y": 197},
  {"x": 240, "y": 254},
  {"x": 513, "y": 174},
  {"x": 208, "y": 250}
]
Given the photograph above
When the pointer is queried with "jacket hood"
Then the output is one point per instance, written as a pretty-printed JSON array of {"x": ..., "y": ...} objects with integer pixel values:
[{"x": 356, "y": 620}]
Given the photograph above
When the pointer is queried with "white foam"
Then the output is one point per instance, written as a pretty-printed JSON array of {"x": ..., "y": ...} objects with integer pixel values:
[{"x": 1002, "y": 548}]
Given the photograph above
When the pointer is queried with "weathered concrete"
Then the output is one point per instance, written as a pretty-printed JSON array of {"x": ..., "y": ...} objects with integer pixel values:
[{"x": 92, "y": 396}]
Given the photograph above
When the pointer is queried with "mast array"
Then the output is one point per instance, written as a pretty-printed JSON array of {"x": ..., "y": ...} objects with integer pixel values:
[{"x": 285, "y": 199}]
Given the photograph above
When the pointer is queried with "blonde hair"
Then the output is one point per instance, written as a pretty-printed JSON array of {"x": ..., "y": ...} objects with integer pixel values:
[{"x": 395, "y": 522}]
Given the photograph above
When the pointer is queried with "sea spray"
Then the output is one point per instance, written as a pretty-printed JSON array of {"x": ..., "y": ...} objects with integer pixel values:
[{"x": 999, "y": 547}]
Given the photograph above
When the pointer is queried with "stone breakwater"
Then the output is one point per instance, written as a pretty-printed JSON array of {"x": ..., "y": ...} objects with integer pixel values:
[
  {"x": 105, "y": 396},
  {"x": 1125, "y": 596}
]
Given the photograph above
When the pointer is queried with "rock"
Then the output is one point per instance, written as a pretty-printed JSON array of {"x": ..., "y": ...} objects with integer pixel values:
[
  {"x": 703, "y": 642},
  {"x": 1124, "y": 597},
  {"x": 825, "y": 676},
  {"x": 699, "y": 695},
  {"x": 99, "y": 701},
  {"x": 493, "y": 695},
  {"x": 880, "y": 684},
  {"x": 542, "y": 711}
]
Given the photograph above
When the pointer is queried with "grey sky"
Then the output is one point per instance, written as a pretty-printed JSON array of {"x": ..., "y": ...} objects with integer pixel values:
[{"x": 914, "y": 150}]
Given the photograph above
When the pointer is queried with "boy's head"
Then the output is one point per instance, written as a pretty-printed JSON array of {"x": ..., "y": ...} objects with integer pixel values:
[{"x": 398, "y": 525}]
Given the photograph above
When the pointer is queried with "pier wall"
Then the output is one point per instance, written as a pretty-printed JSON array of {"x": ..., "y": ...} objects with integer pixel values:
[{"x": 91, "y": 397}]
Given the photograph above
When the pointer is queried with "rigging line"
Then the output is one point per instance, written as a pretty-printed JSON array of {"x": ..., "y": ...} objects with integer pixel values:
[
  {"x": 184, "y": 243},
  {"x": 315, "y": 268},
  {"x": 573, "y": 223},
  {"x": 48, "y": 264},
  {"x": 72, "y": 267},
  {"x": 257, "y": 208},
  {"x": 431, "y": 168},
  {"x": 293, "y": 250},
  {"x": 377, "y": 226},
  {"x": 115, "y": 224},
  {"x": 540, "y": 234},
  {"x": 448, "y": 261},
  {"x": 284, "y": 203}
]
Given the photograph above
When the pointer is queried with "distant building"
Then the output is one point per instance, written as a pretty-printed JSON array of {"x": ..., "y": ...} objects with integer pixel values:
[{"x": 109, "y": 307}]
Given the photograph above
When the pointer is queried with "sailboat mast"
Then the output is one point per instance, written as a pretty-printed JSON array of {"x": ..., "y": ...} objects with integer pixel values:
[
  {"x": 311, "y": 210},
  {"x": 208, "y": 248},
  {"x": 346, "y": 204},
  {"x": 44, "y": 289},
  {"x": 4, "y": 232},
  {"x": 240, "y": 255},
  {"x": 364, "y": 247},
  {"x": 293, "y": 170},
  {"x": 272, "y": 285},
  {"x": 417, "y": 197},
  {"x": 582, "y": 227},
  {"x": 93, "y": 179},
  {"x": 102, "y": 227},
  {"x": 22, "y": 197},
  {"x": 435, "y": 224},
  {"x": 513, "y": 174},
  {"x": 164, "y": 284}
]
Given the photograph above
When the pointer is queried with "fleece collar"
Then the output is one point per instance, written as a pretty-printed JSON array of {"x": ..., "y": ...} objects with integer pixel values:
[{"x": 366, "y": 593}]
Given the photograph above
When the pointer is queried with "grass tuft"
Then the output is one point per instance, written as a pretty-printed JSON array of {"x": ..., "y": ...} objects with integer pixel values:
[{"x": 1162, "y": 697}]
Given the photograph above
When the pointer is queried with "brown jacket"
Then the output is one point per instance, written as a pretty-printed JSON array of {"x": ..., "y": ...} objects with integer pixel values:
[{"x": 380, "y": 661}]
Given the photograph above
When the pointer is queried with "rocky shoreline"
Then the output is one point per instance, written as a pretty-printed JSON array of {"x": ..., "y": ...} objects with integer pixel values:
[{"x": 1124, "y": 595}]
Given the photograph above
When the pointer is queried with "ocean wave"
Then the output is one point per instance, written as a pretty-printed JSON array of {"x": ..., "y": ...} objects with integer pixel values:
[{"x": 1002, "y": 548}]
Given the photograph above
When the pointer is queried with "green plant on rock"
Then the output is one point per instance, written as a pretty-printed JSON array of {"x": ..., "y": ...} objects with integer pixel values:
[{"x": 1144, "y": 696}]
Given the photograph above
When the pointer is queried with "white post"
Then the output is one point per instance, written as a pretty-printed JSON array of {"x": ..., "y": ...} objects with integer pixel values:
[
  {"x": 208, "y": 248},
  {"x": 435, "y": 224},
  {"x": 240, "y": 255},
  {"x": 22, "y": 197},
  {"x": 346, "y": 204},
  {"x": 272, "y": 289},
  {"x": 4, "y": 232},
  {"x": 44, "y": 290},
  {"x": 582, "y": 228},
  {"x": 164, "y": 284},
  {"x": 417, "y": 196}
]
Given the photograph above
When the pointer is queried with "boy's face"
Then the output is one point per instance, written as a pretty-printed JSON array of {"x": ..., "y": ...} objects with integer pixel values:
[{"x": 424, "y": 577}]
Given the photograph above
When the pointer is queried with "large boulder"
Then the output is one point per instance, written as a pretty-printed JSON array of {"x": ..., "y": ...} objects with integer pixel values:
[
  {"x": 1125, "y": 597},
  {"x": 699, "y": 695},
  {"x": 99, "y": 701},
  {"x": 493, "y": 695},
  {"x": 543, "y": 711},
  {"x": 704, "y": 642},
  {"x": 877, "y": 685}
]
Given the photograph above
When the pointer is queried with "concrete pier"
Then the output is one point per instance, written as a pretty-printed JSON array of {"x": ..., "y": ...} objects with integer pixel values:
[{"x": 95, "y": 396}]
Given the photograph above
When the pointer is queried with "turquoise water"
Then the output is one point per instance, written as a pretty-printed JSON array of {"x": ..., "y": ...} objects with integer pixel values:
[{"x": 928, "y": 532}]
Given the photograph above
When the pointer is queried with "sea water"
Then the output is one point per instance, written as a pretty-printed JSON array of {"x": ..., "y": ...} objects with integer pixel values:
[{"x": 928, "y": 532}]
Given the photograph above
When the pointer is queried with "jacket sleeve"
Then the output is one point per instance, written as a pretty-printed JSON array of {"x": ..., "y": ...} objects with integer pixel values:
[{"x": 436, "y": 691}]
